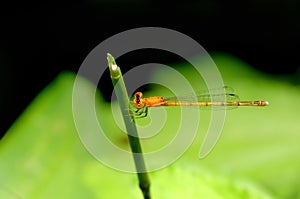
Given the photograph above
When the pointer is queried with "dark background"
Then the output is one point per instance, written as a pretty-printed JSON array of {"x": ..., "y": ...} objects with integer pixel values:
[{"x": 40, "y": 41}]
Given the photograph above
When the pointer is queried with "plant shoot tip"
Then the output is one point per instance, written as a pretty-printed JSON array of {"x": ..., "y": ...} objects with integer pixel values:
[{"x": 114, "y": 67}]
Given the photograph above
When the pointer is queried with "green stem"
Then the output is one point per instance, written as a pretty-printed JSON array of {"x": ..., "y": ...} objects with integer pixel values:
[{"x": 122, "y": 96}]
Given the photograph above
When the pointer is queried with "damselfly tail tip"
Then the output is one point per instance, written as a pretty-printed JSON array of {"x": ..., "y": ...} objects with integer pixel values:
[{"x": 263, "y": 103}]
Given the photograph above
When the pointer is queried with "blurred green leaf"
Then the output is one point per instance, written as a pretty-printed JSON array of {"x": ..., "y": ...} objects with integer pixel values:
[{"x": 42, "y": 157}]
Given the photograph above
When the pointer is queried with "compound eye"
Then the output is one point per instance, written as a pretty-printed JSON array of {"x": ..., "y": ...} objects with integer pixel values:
[{"x": 137, "y": 98}]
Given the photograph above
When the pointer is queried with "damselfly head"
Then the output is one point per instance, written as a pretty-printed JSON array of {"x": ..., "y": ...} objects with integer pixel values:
[{"x": 138, "y": 100}]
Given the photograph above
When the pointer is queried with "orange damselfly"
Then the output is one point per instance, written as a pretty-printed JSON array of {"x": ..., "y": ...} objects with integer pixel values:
[{"x": 227, "y": 100}]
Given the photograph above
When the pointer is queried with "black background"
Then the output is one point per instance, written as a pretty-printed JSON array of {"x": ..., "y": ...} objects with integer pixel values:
[{"x": 40, "y": 41}]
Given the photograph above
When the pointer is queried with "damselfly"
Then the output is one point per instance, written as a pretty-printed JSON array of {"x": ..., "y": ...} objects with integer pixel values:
[{"x": 227, "y": 100}]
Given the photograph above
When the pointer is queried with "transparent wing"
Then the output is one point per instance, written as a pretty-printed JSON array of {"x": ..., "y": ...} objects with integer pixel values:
[{"x": 224, "y": 94}]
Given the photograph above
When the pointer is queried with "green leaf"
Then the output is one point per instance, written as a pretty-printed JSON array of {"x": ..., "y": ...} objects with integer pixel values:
[{"x": 42, "y": 156}]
